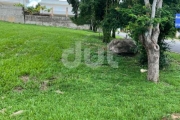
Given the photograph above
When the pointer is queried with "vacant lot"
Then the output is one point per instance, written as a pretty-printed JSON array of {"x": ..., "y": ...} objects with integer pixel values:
[{"x": 34, "y": 83}]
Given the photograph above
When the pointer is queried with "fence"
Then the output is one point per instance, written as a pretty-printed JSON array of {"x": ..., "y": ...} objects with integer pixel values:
[
  {"x": 53, "y": 21},
  {"x": 16, "y": 14},
  {"x": 11, "y": 14}
]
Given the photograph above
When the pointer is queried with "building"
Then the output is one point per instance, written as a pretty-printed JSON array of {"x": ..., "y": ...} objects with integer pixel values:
[{"x": 59, "y": 7}]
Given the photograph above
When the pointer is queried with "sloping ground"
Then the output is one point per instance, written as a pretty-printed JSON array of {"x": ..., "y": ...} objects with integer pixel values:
[{"x": 35, "y": 84}]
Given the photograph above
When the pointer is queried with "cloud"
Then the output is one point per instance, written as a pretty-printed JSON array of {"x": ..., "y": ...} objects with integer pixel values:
[{"x": 33, "y": 3}]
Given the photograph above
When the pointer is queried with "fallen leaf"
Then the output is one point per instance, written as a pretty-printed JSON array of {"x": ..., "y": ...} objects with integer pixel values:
[
  {"x": 59, "y": 92},
  {"x": 3, "y": 98},
  {"x": 143, "y": 70},
  {"x": 17, "y": 113}
]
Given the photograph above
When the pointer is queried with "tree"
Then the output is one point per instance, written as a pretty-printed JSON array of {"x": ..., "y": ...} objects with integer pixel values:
[
  {"x": 42, "y": 8},
  {"x": 145, "y": 19},
  {"x": 19, "y": 5},
  {"x": 150, "y": 40},
  {"x": 150, "y": 24},
  {"x": 75, "y": 6},
  {"x": 94, "y": 12}
]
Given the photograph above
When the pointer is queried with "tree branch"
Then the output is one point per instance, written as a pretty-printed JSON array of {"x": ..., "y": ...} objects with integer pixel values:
[
  {"x": 153, "y": 14},
  {"x": 156, "y": 29},
  {"x": 146, "y": 2},
  {"x": 153, "y": 9},
  {"x": 159, "y": 5}
]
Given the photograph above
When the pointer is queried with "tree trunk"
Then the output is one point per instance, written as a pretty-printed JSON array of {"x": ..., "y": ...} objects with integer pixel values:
[
  {"x": 113, "y": 33},
  {"x": 153, "y": 54},
  {"x": 106, "y": 35},
  {"x": 150, "y": 41},
  {"x": 153, "y": 64},
  {"x": 94, "y": 28},
  {"x": 90, "y": 27}
]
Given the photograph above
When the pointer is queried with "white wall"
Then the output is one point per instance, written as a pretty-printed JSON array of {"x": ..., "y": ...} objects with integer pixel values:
[
  {"x": 10, "y": 2},
  {"x": 59, "y": 6}
]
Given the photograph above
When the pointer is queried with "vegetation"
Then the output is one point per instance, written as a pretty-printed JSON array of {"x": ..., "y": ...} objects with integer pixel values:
[
  {"x": 148, "y": 21},
  {"x": 33, "y": 79},
  {"x": 95, "y": 12},
  {"x": 32, "y": 10},
  {"x": 139, "y": 24},
  {"x": 18, "y": 5}
]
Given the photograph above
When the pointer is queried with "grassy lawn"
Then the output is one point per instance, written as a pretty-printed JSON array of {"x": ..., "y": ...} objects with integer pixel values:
[{"x": 35, "y": 85}]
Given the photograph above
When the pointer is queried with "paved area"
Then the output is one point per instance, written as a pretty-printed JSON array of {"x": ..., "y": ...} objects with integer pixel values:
[
  {"x": 122, "y": 34},
  {"x": 174, "y": 45}
]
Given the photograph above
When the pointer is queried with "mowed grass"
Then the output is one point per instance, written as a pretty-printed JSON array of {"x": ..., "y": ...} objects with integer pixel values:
[{"x": 33, "y": 79}]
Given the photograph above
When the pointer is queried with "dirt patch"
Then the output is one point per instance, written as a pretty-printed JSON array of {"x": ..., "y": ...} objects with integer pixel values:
[
  {"x": 55, "y": 77},
  {"x": 44, "y": 85},
  {"x": 18, "y": 89},
  {"x": 174, "y": 116},
  {"x": 52, "y": 78},
  {"x": 25, "y": 78}
]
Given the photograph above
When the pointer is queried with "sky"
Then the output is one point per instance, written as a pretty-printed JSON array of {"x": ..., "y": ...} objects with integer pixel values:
[{"x": 33, "y": 3}]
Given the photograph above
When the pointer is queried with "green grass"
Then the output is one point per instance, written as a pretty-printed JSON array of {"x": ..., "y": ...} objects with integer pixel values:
[{"x": 103, "y": 93}]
